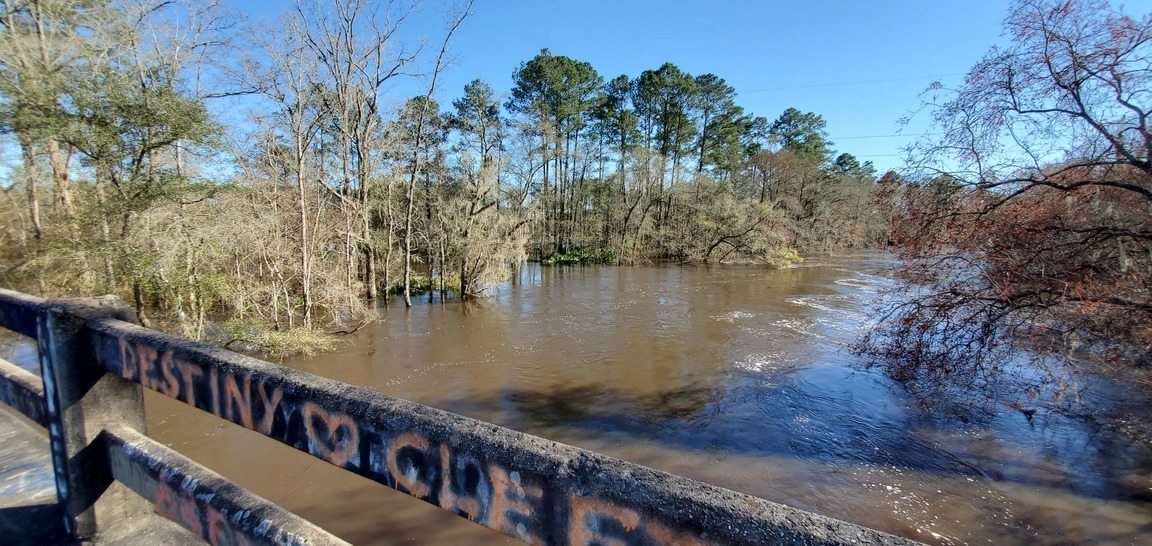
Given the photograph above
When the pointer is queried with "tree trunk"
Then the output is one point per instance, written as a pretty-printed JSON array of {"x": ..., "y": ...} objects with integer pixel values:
[
  {"x": 369, "y": 260},
  {"x": 59, "y": 160},
  {"x": 465, "y": 277},
  {"x": 390, "y": 229},
  {"x": 348, "y": 211},
  {"x": 367, "y": 248},
  {"x": 443, "y": 266},
  {"x": 30, "y": 175},
  {"x": 104, "y": 173},
  {"x": 408, "y": 213},
  {"x": 138, "y": 299},
  {"x": 305, "y": 244},
  {"x": 703, "y": 143}
]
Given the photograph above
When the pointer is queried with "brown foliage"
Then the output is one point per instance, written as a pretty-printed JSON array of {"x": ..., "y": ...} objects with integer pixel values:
[
  {"x": 1032, "y": 226},
  {"x": 1055, "y": 269}
]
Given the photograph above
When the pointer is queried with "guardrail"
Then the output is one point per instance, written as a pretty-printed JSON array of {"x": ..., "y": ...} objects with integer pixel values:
[{"x": 94, "y": 362}]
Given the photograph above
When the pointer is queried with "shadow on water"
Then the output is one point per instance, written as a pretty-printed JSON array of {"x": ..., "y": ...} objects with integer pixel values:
[
  {"x": 684, "y": 419},
  {"x": 784, "y": 421}
]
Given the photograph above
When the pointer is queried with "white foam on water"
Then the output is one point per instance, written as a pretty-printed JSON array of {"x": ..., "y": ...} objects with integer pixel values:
[
  {"x": 863, "y": 284},
  {"x": 733, "y": 316},
  {"x": 761, "y": 362}
]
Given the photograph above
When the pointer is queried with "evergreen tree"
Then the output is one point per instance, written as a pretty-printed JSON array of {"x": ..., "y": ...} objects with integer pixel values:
[{"x": 803, "y": 134}]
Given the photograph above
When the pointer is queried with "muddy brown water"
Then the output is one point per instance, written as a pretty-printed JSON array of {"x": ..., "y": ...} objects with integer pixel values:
[{"x": 733, "y": 375}]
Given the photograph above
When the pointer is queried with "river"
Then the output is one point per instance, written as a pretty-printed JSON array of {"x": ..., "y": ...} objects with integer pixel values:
[{"x": 738, "y": 376}]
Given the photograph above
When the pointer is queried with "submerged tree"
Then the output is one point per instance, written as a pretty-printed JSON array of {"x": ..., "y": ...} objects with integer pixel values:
[
  {"x": 354, "y": 42},
  {"x": 487, "y": 237},
  {"x": 426, "y": 119},
  {"x": 1031, "y": 224}
]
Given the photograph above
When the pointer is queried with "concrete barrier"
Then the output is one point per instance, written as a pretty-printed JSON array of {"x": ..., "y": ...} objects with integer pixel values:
[
  {"x": 201, "y": 500},
  {"x": 23, "y": 391}
]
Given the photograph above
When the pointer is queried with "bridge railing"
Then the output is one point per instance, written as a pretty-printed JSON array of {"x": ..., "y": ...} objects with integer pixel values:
[{"x": 94, "y": 362}]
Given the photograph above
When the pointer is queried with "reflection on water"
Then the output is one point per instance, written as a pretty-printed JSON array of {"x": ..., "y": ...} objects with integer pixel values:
[{"x": 736, "y": 376}]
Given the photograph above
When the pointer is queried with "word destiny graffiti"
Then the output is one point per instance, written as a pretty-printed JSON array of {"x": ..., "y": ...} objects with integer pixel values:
[{"x": 389, "y": 441}]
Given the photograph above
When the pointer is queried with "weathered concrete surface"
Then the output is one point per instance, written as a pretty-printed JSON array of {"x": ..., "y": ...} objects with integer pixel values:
[
  {"x": 23, "y": 391},
  {"x": 29, "y": 515},
  {"x": 201, "y": 500},
  {"x": 18, "y": 312},
  {"x": 530, "y": 488},
  {"x": 28, "y": 511},
  {"x": 146, "y": 529},
  {"x": 81, "y": 399}
]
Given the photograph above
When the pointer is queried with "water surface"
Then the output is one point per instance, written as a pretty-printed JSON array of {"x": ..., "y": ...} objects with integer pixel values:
[{"x": 733, "y": 375}]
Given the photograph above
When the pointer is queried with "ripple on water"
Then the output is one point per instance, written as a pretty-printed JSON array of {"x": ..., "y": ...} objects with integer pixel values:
[
  {"x": 763, "y": 362},
  {"x": 798, "y": 326},
  {"x": 867, "y": 285},
  {"x": 733, "y": 316}
]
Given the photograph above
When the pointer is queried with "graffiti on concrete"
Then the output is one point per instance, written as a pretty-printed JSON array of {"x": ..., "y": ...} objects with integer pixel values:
[
  {"x": 511, "y": 500},
  {"x": 593, "y": 521},
  {"x": 201, "y": 501}
]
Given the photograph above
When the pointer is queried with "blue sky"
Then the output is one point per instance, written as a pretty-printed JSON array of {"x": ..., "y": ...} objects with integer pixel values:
[{"x": 860, "y": 65}]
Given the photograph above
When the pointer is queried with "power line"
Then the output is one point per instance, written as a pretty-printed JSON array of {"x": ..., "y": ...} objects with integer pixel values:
[
  {"x": 858, "y": 82},
  {"x": 879, "y": 136}
]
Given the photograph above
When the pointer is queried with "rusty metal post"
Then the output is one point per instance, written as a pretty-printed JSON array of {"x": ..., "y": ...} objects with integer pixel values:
[{"x": 81, "y": 400}]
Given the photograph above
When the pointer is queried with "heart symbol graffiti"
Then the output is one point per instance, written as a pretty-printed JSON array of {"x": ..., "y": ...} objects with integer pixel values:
[{"x": 334, "y": 437}]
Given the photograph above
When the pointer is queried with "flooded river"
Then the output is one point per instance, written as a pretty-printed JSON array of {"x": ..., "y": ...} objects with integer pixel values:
[{"x": 734, "y": 375}]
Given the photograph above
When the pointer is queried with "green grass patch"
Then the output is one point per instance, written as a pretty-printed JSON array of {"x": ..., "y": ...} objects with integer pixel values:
[
  {"x": 580, "y": 256},
  {"x": 264, "y": 338}
]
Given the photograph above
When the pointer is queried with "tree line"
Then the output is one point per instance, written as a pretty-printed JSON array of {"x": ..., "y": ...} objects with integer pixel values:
[{"x": 328, "y": 195}]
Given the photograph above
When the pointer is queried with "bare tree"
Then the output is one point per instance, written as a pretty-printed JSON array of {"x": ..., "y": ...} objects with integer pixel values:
[
  {"x": 1030, "y": 222},
  {"x": 287, "y": 76},
  {"x": 418, "y": 160},
  {"x": 357, "y": 46}
]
